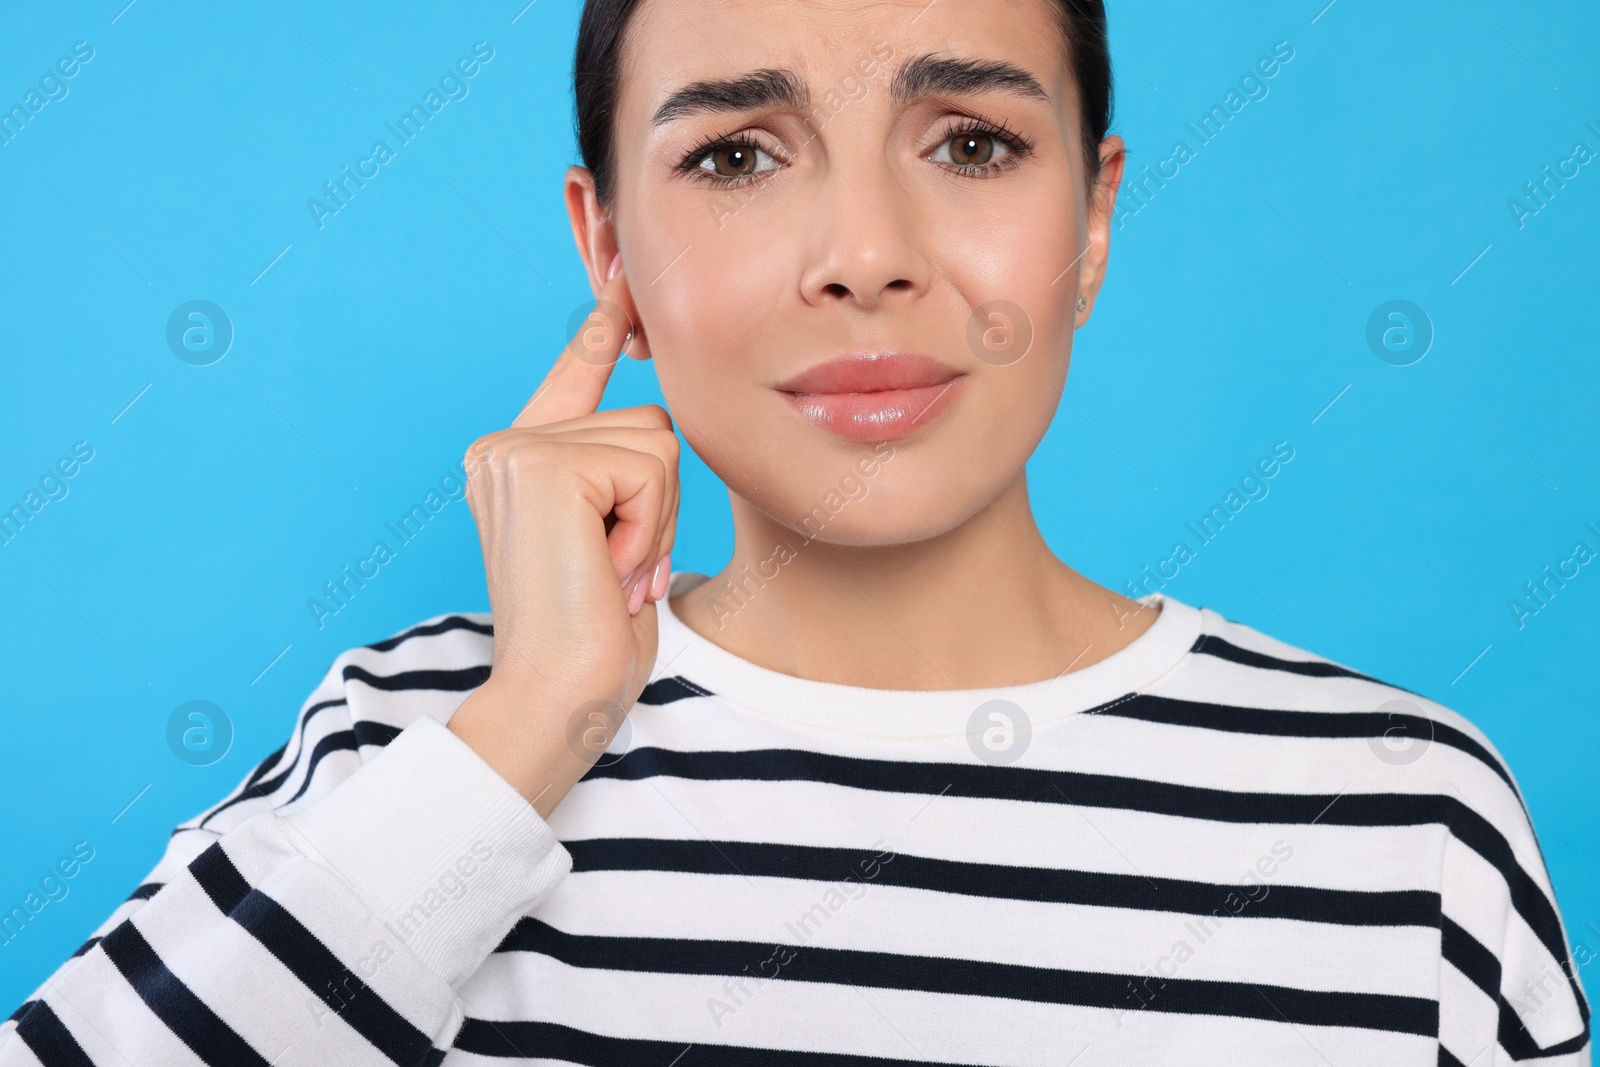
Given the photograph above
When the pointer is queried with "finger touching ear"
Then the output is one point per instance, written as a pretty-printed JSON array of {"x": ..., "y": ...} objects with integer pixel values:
[
  {"x": 595, "y": 233},
  {"x": 637, "y": 346}
]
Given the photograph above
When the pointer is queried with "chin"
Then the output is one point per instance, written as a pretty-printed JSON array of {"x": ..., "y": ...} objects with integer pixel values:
[{"x": 916, "y": 506}]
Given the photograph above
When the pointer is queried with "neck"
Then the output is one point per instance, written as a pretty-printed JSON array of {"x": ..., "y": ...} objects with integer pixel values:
[{"x": 984, "y": 604}]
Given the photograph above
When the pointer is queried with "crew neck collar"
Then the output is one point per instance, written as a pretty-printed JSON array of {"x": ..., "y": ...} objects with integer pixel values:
[{"x": 906, "y": 713}]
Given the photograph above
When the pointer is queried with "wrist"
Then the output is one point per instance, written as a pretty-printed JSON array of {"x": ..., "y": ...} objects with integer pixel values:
[{"x": 523, "y": 742}]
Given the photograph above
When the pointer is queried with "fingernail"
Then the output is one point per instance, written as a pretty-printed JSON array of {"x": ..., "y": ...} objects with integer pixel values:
[
  {"x": 626, "y": 582},
  {"x": 658, "y": 581},
  {"x": 616, "y": 263},
  {"x": 636, "y": 601}
]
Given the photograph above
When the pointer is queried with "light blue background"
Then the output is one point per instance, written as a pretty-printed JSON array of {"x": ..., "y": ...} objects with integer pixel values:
[{"x": 375, "y": 349}]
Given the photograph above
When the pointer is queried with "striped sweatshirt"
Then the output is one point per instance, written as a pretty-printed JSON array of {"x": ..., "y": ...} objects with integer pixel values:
[{"x": 1209, "y": 848}]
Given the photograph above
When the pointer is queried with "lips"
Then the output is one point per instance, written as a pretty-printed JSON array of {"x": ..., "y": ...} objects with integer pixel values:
[{"x": 876, "y": 396}]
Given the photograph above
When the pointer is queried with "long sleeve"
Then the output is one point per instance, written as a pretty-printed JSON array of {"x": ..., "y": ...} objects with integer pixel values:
[{"x": 325, "y": 911}]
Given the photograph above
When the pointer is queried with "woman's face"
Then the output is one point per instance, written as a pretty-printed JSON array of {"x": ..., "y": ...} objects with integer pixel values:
[{"x": 926, "y": 194}]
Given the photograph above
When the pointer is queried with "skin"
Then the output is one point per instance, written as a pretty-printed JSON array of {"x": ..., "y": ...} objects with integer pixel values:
[
  {"x": 852, "y": 244},
  {"x": 859, "y": 231}
]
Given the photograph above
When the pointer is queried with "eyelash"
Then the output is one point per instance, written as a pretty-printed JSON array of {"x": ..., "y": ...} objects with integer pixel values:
[
  {"x": 692, "y": 159},
  {"x": 1018, "y": 147}
]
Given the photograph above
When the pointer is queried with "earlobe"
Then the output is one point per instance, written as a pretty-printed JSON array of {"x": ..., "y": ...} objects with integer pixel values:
[
  {"x": 637, "y": 346},
  {"x": 637, "y": 343}
]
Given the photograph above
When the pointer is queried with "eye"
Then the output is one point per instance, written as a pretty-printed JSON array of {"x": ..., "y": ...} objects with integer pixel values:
[
  {"x": 729, "y": 162},
  {"x": 971, "y": 149},
  {"x": 980, "y": 149}
]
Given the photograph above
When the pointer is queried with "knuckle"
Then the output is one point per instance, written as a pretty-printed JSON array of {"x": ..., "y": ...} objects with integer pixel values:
[
  {"x": 526, "y": 459},
  {"x": 502, "y": 455},
  {"x": 478, "y": 454}
]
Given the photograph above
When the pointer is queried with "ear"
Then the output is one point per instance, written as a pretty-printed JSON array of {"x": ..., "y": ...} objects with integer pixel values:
[
  {"x": 595, "y": 234},
  {"x": 1102, "y": 208}
]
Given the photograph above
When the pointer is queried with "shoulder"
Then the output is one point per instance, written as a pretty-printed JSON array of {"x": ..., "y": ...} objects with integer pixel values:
[
  {"x": 1388, "y": 760},
  {"x": 1241, "y": 677},
  {"x": 1298, "y": 731}
]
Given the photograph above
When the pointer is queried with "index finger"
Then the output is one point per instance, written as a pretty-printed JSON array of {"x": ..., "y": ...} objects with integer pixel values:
[{"x": 577, "y": 379}]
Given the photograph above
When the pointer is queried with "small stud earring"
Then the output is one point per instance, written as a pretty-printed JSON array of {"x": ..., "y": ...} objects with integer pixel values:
[{"x": 1083, "y": 302}]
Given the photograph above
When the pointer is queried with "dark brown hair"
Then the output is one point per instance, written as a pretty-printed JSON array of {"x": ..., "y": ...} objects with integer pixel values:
[{"x": 596, "y": 77}]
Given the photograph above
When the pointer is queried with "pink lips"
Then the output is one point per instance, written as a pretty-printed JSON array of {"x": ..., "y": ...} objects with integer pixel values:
[{"x": 876, "y": 396}]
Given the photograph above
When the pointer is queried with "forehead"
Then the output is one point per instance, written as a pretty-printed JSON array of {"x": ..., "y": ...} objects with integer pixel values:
[{"x": 830, "y": 45}]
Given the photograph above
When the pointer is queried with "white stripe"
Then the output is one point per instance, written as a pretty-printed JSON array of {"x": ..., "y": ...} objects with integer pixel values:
[
  {"x": 945, "y": 1027},
  {"x": 982, "y": 830},
  {"x": 916, "y": 922}
]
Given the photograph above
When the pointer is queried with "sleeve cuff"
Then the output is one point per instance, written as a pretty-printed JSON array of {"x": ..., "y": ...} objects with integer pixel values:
[{"x": 445, "y": 853}]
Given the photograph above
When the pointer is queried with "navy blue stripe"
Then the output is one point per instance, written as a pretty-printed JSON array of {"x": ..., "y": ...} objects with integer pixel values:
[
  {"x": 262, "y": 788},
  {"x": 552, "y": 1041},
  {"x": 266, "y": 765},
  {"x": 185, "y": 1014},
  {"x": 1272, "y": 722},
  {"x": 299, "y": 950},
  {"x": 453, "y": 622},
  {"x": 447, "y": 680},
  {"x": 1521, "y": 1046},
  {"x": 220, "y": 879},
  {"x": 362, "y": 732},
  {"x": 963, "y": 977},
  {"x": 49, "y": 1039},
  {"x": 1107, "y": 791},
  {"x": 1467, "y": 955},
  {"x": 453, "y": 681},
  {"x": 1212, "y": 645},
  {"x": 1006, "y": 882},
  {"x": 667, "y": 690}
]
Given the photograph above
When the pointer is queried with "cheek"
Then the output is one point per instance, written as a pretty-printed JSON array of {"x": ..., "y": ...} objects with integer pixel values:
[
  {"x": 719, "y": 303},
  {"x": 1014, "y": 265},
  {"x": 1017, "y": 278},
  {"x": 1013, "y": 245},
  {"x": 701, "y": 332}
]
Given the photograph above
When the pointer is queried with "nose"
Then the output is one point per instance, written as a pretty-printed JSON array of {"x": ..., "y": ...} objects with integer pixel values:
[{"x": 863, "y": 247}]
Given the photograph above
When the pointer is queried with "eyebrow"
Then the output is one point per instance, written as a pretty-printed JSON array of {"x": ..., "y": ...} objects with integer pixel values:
[{"x": 925, "y": 75}]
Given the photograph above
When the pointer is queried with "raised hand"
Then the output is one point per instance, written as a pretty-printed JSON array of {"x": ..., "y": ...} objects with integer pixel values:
[{"x": 576, "y": 510}]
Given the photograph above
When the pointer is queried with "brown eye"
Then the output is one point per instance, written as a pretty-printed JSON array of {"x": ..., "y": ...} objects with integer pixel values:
[
  {"x": 733, "y": 162},
  {"x": 736, "y": 160},
  {"x": 972, "y": 148}
]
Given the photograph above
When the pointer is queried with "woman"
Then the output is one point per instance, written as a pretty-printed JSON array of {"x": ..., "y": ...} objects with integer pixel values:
[{"x": 898, "y": 785}]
